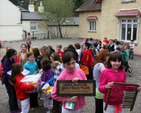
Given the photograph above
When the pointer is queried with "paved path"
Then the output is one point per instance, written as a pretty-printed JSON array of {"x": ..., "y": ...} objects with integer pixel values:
[{"x": 89, "y": 108}]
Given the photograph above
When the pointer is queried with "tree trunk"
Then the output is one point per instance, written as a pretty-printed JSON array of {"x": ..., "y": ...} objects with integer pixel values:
[{"x": 60, "y": 31}]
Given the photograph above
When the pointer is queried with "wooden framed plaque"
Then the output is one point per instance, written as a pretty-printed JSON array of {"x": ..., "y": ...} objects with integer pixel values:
[
  {"x": 129, "y": 96},
  {"x": 81, "y": 88}
]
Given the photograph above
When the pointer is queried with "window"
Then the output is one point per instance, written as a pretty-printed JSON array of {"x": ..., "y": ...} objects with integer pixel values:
[
  {"x": 92, "y": 25},
  {"x": 33, "y": 26},
  {"x": 128, "y": 1},
  {"x": 128, "y": 29}
]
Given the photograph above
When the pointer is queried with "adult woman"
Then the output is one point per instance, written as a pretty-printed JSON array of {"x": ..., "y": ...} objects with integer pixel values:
[
  {"x": 22, "y": 55},
  {"x": 7, "y": 66},
  {"x": 99, "y": 66},
  {"x": 28, "y": 41}
]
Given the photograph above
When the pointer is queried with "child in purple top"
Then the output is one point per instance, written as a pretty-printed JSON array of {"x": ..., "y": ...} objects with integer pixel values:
[{"x": 47, "y": 75}]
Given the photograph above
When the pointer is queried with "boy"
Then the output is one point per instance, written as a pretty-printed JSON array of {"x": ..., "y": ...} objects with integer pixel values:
[
  {"x": 131, "y": 49},
  {"x": 111, "y": 46},
  {"x": 88, "y": 60},
  {"x": 58, "y": 50}
]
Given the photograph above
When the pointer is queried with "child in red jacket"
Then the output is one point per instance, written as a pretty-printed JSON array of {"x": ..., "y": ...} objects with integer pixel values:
[
  {"x": 87, "y": 58},
  {"x": 20, "y": 87}
]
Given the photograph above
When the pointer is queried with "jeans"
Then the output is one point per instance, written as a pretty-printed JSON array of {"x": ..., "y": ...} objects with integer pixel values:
[
  {"x": 131, "y": 54},
  {"x": 28, "y": 47},
  {"x": 13, "y": 105}
]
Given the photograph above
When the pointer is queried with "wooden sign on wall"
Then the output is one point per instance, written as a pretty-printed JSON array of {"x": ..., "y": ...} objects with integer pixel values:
[{"x": 81, "y": 88}]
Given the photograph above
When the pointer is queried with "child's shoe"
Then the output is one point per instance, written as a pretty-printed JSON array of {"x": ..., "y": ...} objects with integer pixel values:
[
  {"x": 13, "y": 111},
  {"x": 32, "y": 109},
  {"x": 18, "y": 110}
]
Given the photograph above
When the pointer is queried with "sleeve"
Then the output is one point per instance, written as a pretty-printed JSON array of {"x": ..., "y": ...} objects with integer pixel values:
[
  {"x": 103, "y": 82},
  {"x": 37, "y": 68},
  {"x": 25, "y": 67},
  {"x": 23, "y": 87},
  {"x": 54, "y": 93},
  {"x": 17, "y": 59},
  {"x": 6, "y": 69}
]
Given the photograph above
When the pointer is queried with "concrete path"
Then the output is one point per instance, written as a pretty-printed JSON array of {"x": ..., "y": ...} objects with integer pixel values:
[{"x": 89, "y": 108}]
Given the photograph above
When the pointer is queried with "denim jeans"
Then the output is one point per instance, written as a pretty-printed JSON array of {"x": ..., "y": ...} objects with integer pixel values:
[
  {"x": 28, "y": 47},
  {"x": 131, "y": 54},
  {"x": 13, "y": 105}
]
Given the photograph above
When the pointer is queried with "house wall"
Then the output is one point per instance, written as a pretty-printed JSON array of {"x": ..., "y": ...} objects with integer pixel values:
[
  {"x": 10, "y": 32},
  {"x": 10, "y": 21},
  {"x": 83, "y": 23},
  {"x": 10, "y": 14},
  {"x": 70, "y": 31},
  {"x": 110, "y": 26}
]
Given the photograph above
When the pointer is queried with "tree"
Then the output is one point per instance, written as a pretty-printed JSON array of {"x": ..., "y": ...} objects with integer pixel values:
[{"x": 57, "y": 11}]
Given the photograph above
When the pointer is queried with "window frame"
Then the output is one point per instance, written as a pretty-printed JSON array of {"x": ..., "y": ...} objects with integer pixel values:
[
  {"x": 35, "y": 25},
  {"x": 127, "y": 23},
  {"x": 89, "y": 22}
]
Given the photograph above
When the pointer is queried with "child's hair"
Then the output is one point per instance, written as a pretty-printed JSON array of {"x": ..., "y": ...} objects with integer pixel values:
[
  {"x": 77, "y": 45},
  {"x": 29, "y": 54},
  {"x": 16, "y": 71},
  {"x": 132, "y": 40},
  {"x": 46, "y": 50},
  {"x": 24, "y": 45},
  {"x": 113, "y": 57},
  {"x": 68, "y": 56},
  {"x": 54, "y": 64},
  {"x": 59, "y": 45},
  {"x": 11, "y": 52},
  {"x": 46, "y": 64},
  {"x": 71, "y": 47},
  {"x": 127, "y": 46},
  {"x": 91, "y": 39},
  {"x": 95, "y": 44},
  {"x": 118, "y": 48},
  {"x": 55, "y": 56},
  {"x": 36, "y": 52},
  {"x": 101, "y": 56},
  {"x": 87, "y": 45},
  {"x": 9, "y": 47},
  {"x": 65, "y": 48}
]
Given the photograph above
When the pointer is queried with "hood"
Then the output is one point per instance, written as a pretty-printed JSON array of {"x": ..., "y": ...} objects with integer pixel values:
[{"x": 30, "y": 63}]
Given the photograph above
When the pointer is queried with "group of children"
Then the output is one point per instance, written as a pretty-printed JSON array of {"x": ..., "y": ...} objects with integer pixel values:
[{"x": 64, "y": 65}]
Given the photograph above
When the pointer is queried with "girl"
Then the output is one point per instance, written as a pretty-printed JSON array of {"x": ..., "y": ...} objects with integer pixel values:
[
  {"x": 70, "y": 73},
  {"x": 47, "y": 75},
  {"x": 99, "y": 66},
  {"x": 22, "y": 55},
  {"x": 55, "y": 57},
  {"x": 113, "y": 73},
  {"x": 7, "y": 66},
  {"x": 20, "y": 87},
  {"x": 32, "y": 66}
]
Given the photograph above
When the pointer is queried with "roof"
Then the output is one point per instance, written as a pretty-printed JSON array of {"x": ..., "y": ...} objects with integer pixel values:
[
  {"x": 22, "y": 9},
  {"x": 31, "y": 16},
  {"x": 92, "y": 18},
  {"x": 70, "y": 21},
  {"x": 135, "y": 12},
  {"x": 88, "y": 6}
]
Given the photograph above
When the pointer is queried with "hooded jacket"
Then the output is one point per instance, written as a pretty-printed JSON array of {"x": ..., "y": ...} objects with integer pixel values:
[
  {"x": 31, "y": 67},
  {"x": 87, "y": 58},
  {"x": 69, "y": 75},
  {"x": 109, "y": 75}
]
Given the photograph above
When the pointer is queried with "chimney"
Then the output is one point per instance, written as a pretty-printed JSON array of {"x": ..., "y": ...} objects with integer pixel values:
[
  {"x": 41, "y": 8},
  {"x": 31, "y": 6}
]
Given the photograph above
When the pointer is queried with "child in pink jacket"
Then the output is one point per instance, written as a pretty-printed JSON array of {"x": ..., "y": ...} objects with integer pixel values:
[
  {"x": 114, "y": 73},
  {"x": 70, "y": 73}
]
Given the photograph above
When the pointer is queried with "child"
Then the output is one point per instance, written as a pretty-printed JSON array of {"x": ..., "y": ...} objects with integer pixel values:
[
  {"x": 32, "y": 66},
  {"x": 113, "y": 73},
  {"x": 70, "y": 73},
  {"x": 54, "y": 57},
  {"x": 78, "y": 50},
  {"x": 58, "y": 50},
  {"x": 20, "y": 87},
  {"x": 88, "y": 60},
  {"x": 47, "y": 75},
  {"x": 7, "y": 66},
  {"x": 131, "y": 55},
  {"x": 111, "y": 45}
]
